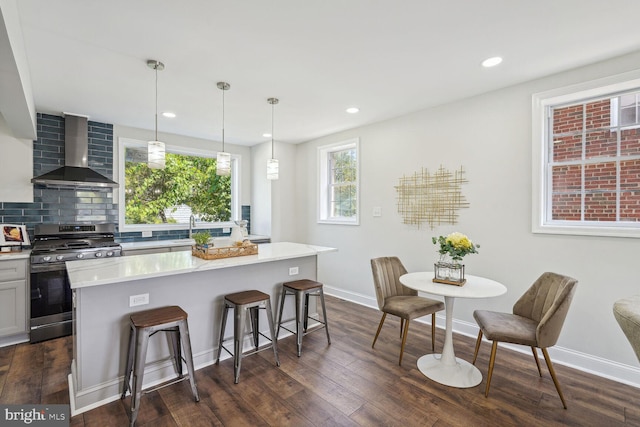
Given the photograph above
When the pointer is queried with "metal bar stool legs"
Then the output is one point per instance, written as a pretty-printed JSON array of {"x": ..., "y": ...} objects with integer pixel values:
[
  {"x": 246, "y": 303},
  {"x": 302, "y": 290},
  {"x": 144, "y": 324}
]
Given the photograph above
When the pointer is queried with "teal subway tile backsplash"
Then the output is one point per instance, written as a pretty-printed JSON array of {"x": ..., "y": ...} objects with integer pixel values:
[{"x": 80, "y": 205}]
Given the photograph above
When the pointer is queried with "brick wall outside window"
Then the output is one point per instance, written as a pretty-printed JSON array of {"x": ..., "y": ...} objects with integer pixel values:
[{"x": 594, "y": 164}]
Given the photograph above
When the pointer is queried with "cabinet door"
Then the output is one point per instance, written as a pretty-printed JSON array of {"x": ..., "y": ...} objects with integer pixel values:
[{"x": 13, "y": 315}]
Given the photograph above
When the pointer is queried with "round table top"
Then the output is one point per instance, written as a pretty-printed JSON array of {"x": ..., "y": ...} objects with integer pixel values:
[{"x": 475, "y": 286}]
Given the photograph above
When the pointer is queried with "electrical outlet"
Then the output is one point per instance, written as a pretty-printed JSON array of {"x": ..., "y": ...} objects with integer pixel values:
[
  {"x": 293, "y": 271},
  {"x": 377, "y": 211},
  {"x": 141, "y": 299},
  {"x": 226, "y": 230},
  {"x": 147, "y": 233}
]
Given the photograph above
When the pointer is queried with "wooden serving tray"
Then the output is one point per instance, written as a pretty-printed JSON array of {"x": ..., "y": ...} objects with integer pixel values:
[
  {"x": 224, "y": 252},
  {"x": 449, "y": 282}
]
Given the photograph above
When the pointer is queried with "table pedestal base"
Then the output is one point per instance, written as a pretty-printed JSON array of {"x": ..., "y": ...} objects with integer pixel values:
[{"x": 462, "y": 374}]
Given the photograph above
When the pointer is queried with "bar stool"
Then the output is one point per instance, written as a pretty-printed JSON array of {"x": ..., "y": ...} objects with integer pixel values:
[
  {"x": 243, "y": 303},
  {"x": 144, "y": 324},
  {"x": 303, "y": 288}
]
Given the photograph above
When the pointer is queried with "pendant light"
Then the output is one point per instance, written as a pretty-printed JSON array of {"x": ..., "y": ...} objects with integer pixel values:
[
  {"x": 223, "y": 160},
  {"x": 155, "y": 149},
  {"x": 272, "y": 164}
]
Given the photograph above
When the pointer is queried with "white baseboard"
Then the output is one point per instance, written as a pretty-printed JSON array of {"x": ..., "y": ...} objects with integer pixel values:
[{"x": 595, "y": 365}]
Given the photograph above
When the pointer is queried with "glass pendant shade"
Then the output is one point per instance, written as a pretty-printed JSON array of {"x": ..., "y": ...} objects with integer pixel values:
[
  {"x": 223, "y": 164},
  {"x": 272, "y": 164},
  {"x": 155, "y": 155},
  {"x": 223, "y": 159},
  {"x": 156, "y": 149},
  {"x": 272, "y": 169}
]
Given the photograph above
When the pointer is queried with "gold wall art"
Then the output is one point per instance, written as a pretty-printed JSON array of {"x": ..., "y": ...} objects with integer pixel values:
[{"x": 432, "y": 198}]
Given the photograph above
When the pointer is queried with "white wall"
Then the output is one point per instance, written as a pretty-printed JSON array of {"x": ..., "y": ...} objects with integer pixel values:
[
  {"x": 16, "y": 166},
  {"x": 272, "y": 201},
  {"x": 490, "y": 136}
]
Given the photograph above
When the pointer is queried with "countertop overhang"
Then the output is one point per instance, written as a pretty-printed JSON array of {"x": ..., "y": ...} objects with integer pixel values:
[{"x": 98, "y": 272}]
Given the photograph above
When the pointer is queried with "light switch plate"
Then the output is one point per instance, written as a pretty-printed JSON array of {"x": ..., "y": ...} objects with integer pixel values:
[
  {"x": 377, "y": 211},
  {"x": 142, "y": 299}
]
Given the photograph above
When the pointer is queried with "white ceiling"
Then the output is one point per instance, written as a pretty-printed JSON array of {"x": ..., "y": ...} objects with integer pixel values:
[{"x": 388, "y": 57}]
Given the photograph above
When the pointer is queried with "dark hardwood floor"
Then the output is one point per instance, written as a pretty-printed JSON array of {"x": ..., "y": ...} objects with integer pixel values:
[{"x": 345, "y": 384}]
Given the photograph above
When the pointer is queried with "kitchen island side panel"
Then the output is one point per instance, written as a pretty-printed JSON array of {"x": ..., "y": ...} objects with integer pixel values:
[{"x": 102, "y": 321}]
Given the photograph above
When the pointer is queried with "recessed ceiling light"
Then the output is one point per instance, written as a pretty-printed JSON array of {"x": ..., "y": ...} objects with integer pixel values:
[
  {"x": 266, "y": 135},
  {"x": 491, "y": 62},
  {"x": 352, "y": 110},
  {"x": 169, "y": 114}
]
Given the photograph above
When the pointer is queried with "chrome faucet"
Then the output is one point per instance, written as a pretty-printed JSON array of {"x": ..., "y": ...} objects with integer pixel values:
[{"x": 192, "y": 224}]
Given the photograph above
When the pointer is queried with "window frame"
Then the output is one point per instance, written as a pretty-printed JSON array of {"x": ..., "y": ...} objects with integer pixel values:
[
  {"x": 236, "y": 210},
  {"x": 324, "y": 205},
  {"x": 541, "y": 175}
]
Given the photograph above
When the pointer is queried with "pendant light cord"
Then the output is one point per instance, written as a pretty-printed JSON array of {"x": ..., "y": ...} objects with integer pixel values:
[
  {"x": 223, "y": 90},
  {"x": 156, "y": 68},
  {"x": 272, "y": 131}
]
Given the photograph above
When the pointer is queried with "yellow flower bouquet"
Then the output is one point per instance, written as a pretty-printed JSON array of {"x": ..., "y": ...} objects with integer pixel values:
[{"x": 456, "y": 245}]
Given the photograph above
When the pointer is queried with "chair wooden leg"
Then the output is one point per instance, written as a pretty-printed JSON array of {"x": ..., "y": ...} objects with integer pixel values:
[
  {"x": 478, "y": 341},
  {"x": 553, "y": 376},
  {"x": 492, "y": 360},
  {"x": 404, "y": 339},
  {"x": 535, "y": 356},
  {"x": 401, "y": 326},
  {"x": 384, "y": 316},
  {"x": 433, "y": 332}
]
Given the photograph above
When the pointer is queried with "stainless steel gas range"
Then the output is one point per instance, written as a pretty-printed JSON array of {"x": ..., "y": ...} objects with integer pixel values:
[{"x": 51, "y": 297}]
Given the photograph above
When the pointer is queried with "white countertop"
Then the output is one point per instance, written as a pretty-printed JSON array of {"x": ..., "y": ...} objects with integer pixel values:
[
  {"x": 96, "y": 272},
  {"x": 24, "y": 254},
  {"x": 147, "y": 244}
]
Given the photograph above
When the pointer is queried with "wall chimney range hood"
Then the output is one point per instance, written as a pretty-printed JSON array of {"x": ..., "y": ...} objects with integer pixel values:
[{"x": 75, "y": 173}]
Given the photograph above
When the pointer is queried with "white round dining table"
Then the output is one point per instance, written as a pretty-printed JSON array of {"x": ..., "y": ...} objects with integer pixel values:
[{"x": 446, "y": 368}]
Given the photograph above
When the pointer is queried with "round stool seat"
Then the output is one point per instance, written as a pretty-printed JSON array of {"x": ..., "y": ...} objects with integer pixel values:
[
  {"x": 246, "y": 297},
  {"x": 157, "y": 316},
  {"x": 303, "y": 285}
]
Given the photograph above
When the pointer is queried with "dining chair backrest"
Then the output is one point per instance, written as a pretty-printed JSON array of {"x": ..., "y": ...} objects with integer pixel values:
[
  {"x": 627, "y": 314},
  {"x": 386, "y": 275},
  {"x": 547, "y": 302}
]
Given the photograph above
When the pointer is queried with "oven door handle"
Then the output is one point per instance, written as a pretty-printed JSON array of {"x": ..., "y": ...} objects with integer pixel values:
[{"x": 42, "y": 268}]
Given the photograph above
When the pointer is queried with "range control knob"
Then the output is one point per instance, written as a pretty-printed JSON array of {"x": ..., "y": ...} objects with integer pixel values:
[
  {"x": 110, "y": 253},
  {"x": 46, "y": 258},
  {"x": 98, "y": 254},
  {"x": 59, "y": 257},
  {"x": 80, "y": 256}
]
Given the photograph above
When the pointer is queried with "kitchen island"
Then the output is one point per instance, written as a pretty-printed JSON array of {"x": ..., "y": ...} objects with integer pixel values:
[{"x": 106, "y": 292}]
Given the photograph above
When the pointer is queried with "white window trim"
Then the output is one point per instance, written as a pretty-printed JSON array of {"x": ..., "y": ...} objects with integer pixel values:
[
  {"x": 236, "y": 210},
  {"x": 323, "y": 175},
  {"x": 540, "y": 102}
]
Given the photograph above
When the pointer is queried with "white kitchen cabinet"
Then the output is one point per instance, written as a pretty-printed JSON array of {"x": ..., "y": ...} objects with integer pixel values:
[{"x": 13, "y": 296}]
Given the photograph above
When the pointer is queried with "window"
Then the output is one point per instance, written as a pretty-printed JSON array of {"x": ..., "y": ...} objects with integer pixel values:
[
  {"x": 339, "y": 181},
  {"x": 157, "y": 199},
  {"x": 587, "y": 161}
]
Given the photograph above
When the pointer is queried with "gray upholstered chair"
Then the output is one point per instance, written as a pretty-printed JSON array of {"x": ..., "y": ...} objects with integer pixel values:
[
  {"x": 627, "y": 313},
  {"x": 536, "y": 321},
  {"x": 396, "y": 299}
]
